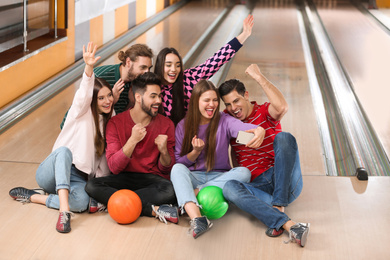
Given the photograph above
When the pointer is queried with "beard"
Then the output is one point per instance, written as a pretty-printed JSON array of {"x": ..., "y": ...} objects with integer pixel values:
[
  {"x": 130, "y": 74},
  {"x": 148, "y": 110}
]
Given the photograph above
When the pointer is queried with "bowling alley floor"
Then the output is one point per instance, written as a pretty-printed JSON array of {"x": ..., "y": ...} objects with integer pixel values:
[{"x": 349, "y": 220}]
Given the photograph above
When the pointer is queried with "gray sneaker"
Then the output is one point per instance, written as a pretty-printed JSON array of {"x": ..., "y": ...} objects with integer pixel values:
[
  {"x": 199, "y": 226},
  {"x": 94, "y": 206},
  {"x": 22, "y": 194},
  {"x": 166, "y": 213},
  {"x": 298, "y": 233}
]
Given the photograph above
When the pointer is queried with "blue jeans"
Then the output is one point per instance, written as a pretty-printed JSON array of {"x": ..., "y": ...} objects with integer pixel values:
[
  {"x": 57, "y": 172},
  {"x": 278, "y": 186},
  {"x": 185, "y": 181}
]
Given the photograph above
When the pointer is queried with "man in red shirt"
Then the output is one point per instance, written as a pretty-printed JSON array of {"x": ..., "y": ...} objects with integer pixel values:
[
  {"x": 276, "y": 173},
  {"x": 140, "y": 153}
]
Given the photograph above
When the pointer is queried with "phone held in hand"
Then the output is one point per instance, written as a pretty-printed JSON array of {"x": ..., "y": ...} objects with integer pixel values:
[{"x": 244, "y": 137}]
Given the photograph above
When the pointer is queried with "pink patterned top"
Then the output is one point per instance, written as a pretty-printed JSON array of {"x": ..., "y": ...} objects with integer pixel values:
[{"x": 204, "y": 71}]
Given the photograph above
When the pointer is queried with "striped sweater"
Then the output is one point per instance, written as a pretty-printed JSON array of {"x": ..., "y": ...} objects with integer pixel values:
[{"x": 112, "y": 74}]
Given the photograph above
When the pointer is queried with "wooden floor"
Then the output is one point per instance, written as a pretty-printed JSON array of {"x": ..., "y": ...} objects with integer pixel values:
[{"x": 349, "y": 219}]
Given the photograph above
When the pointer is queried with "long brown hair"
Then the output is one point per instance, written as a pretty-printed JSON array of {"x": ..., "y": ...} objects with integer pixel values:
[
  {"x": 100, "y": 142},
  {"x": 192, "y": 121},
  {"x": 177, "y": 112}
]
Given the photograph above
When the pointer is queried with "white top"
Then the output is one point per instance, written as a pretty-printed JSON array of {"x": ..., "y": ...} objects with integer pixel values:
[{"x": 78, "y": 133}]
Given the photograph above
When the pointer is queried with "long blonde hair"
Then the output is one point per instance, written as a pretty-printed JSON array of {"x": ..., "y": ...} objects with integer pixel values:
[{"x": 192, "y": 121}]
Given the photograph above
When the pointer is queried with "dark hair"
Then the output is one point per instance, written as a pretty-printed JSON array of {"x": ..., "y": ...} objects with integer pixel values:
[
  {"x": 178, "y": 111},
  {"x": 148, "y": 78},
  {"x": 100, "y": 143},
  {"x": 192, "y": 120},
  {"x": 230, "y": 85},
  {"x": 134, "y": 52}
]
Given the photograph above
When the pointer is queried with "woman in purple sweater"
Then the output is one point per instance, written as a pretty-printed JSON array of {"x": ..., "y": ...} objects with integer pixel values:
[
  {"x": 178, "y": 83},
  {"x": 198, "y": 136}
]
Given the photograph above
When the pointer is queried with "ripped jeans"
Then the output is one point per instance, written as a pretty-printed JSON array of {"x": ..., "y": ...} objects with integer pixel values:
[{"x": 185, "y": 181}]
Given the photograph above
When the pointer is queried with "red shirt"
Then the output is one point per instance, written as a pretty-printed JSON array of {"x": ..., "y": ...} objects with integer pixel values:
[
  {"x": 146, "y": 156},
  {"x": 261, "y": 159}
]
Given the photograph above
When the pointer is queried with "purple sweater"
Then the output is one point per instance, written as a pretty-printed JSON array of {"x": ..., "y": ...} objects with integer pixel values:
[
  {"x": 228, "y": 128},
  {"x": 203, "y": 71}
]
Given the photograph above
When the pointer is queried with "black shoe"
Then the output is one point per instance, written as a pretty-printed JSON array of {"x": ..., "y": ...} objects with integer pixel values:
[
  {"x": 22, "y": 194},
  {"x": 199, "y": 226}
]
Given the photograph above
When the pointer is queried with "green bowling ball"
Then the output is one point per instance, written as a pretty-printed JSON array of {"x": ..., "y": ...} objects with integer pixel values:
[{"x": 213, "y": 203}]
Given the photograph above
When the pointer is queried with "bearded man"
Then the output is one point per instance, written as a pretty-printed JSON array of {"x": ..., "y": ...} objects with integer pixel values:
[{"x": 140, "y": 153}]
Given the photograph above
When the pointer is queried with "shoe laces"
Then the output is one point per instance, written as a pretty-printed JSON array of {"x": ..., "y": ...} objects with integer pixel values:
[
  {"x": 23, "y": 199},
  {"x": 64, "y": 217},
  {"x": 101, "y": 208},
  {"x": 292, "y": 234},
  {"x": 291, "y": 237},
  {"x": 161, "y": 215},
  {"x": 193, "y": 226}
]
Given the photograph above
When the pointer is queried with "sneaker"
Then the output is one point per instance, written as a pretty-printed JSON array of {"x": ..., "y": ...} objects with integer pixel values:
[
  {"x": 63, "y": 223},
  {"x": 298, "y": 233},
  {"x": 272, "y": 232},
  {"x": 22, "y": 194},
  {"x": 167, "y": 213},
  {"x": 199, "y": 226},
  {"x": 94, "y": 206}
]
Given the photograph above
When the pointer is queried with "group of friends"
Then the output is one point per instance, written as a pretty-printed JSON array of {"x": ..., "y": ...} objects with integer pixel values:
[{"x": 162, "y": 135}]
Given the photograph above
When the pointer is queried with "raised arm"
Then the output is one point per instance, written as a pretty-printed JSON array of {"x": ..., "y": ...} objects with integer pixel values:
[
  {"x": 247, "y": 26},
  {"x": 207, "y": 69},
  {"x": 83, "y": 97},
  {"x": 89, "y": 58},
  {"x": 212, "y": 65},
  {"x": 278, "y": 104}
]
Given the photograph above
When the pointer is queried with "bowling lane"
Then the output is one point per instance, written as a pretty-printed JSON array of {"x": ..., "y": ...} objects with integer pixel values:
[
  {"x": 276, "y": 47},
  {"x": 31, "y": 139},
  {"x": 363, "y": 49}
]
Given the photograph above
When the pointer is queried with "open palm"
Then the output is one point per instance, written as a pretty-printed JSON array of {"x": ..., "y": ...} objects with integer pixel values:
[{"x": 89, "y": 54}]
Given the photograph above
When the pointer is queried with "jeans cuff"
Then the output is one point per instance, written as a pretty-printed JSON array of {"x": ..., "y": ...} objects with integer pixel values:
[
  {"x": 182, "y": 210},
  {"x": 48, "y": 200},
  {"x": 284, "y": 222},
  {"x": 279, "y": 204},
  {"x": 62, "y": 186}
]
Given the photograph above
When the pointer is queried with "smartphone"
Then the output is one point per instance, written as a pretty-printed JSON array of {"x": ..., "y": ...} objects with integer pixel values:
[{"x": 244, "y": 137}]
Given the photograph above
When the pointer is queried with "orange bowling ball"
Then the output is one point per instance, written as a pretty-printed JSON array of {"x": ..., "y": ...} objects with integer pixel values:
[{"x": 124, "y": 206}]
